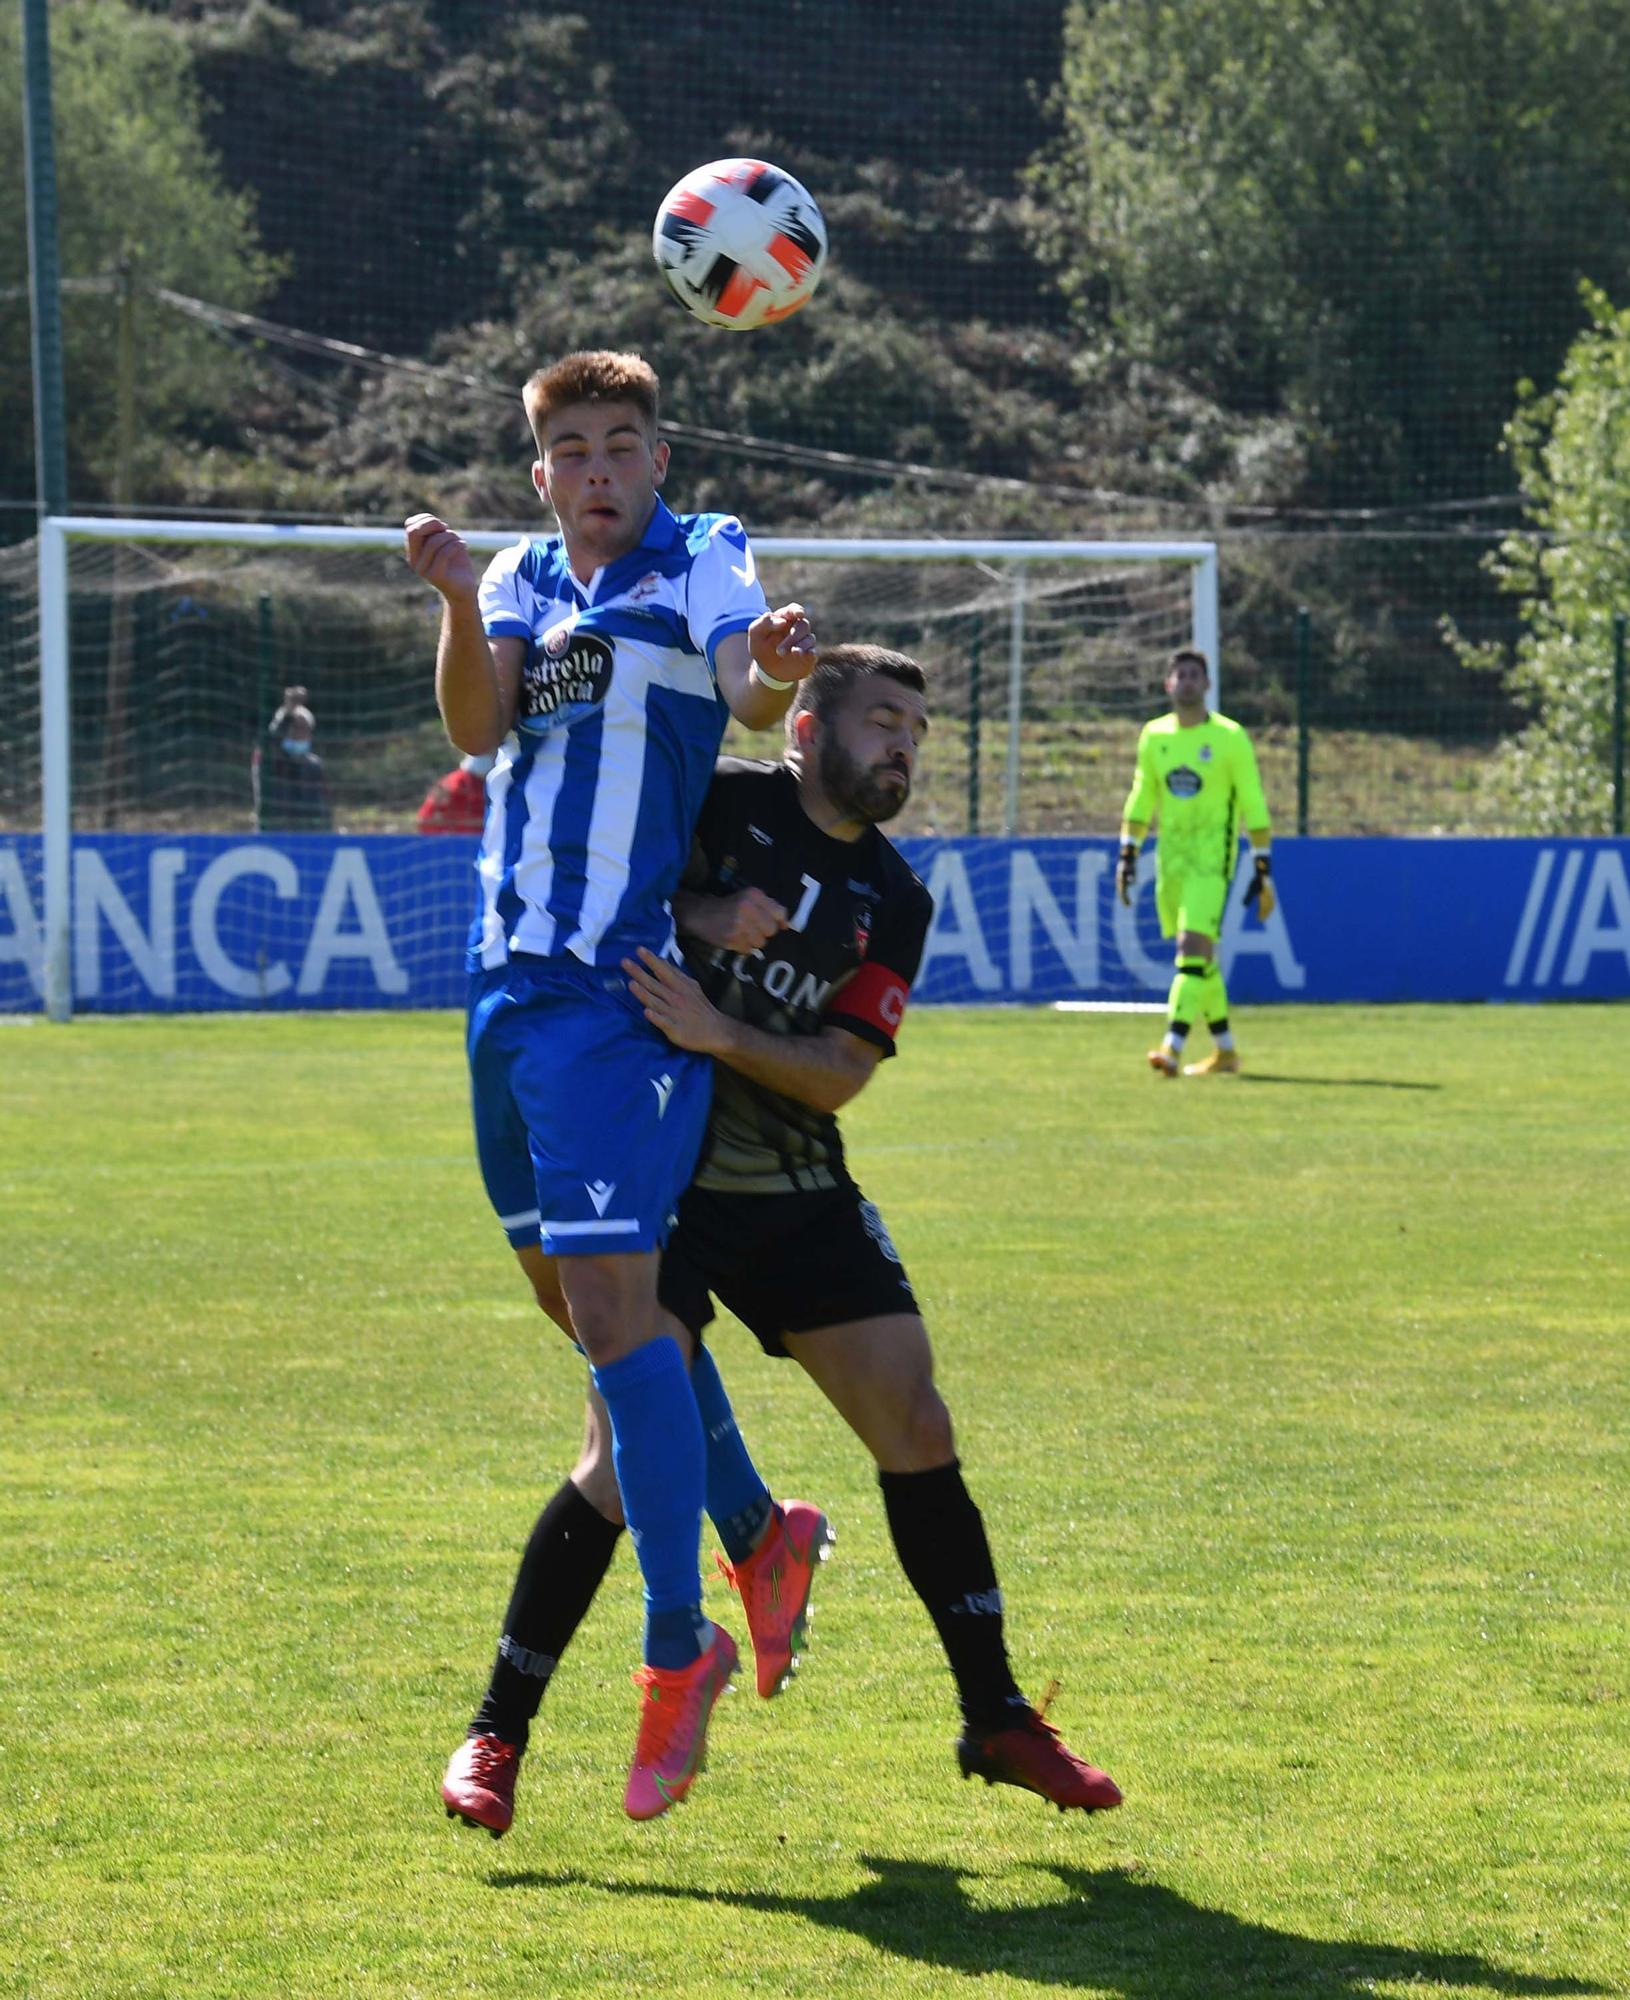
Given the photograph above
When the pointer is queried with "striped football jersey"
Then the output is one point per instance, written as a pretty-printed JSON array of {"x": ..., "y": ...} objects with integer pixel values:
[{"x": 592, "y": 799}]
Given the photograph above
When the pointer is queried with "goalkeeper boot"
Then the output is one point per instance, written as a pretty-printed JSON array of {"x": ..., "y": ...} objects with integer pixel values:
[
  {"x": 674, "y": 1712},
  {"x": 479, "y": 1787},
  {"x": 1220, "y": 1062},
  {"x": 774, "y": 1583},
  {"x": 1030, "y": 1753},
  {"x": 1163, "y": 1061}
]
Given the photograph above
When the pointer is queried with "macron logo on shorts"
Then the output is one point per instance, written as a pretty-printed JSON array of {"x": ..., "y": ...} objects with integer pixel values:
[
  {"x": 663, "y": 1086},
  {"x": 600, "y": 1193}
]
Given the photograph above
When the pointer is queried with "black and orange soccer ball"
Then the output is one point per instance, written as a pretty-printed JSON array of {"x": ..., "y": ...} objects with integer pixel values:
[{"x": 741, "y": 243}]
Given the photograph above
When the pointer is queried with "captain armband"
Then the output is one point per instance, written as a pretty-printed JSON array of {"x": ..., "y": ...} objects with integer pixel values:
[{"x": 874, "y": 995}]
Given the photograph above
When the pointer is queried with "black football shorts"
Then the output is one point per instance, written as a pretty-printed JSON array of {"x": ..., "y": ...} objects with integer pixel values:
[{"x": 782, "y": 1263}]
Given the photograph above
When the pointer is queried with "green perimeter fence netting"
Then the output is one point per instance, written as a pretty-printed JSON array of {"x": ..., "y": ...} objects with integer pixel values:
[{"x": 180, "y": 655}]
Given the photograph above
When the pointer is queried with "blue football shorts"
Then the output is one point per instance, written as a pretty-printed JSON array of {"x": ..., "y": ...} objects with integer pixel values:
[{"x": 588, "y": 1122}]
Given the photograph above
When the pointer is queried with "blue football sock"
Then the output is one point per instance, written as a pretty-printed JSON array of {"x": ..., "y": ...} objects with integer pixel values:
[
  {"x": 738, "y": 1501},
  {"x": 662, "y": 1474}
]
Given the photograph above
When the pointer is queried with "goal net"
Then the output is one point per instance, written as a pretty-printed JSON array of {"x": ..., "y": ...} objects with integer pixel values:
[{"x": 220, "y": 738}]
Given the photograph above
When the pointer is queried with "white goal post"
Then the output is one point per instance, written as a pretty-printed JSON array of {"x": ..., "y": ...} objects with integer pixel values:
[{"x": 1011, "y": 569}]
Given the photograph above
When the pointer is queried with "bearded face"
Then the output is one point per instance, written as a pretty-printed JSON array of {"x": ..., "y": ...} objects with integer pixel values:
[{"x": 870, "y": 786}]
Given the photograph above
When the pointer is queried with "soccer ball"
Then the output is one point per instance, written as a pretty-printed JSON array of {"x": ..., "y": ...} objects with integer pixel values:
[{"x": 740, "y": 243}]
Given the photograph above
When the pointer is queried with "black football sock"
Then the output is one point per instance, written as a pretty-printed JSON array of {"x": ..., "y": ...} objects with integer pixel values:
[
  {"x": 569, "y": 1551},
  {"x": 940, "y": 1539}
]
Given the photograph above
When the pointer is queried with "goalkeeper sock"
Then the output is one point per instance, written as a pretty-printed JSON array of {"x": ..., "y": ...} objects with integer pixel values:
[
  {"x": 1214, "y": 1000},
  {"x": 1184, "y": 1000},
  {"x": 569, "y": 1551}
]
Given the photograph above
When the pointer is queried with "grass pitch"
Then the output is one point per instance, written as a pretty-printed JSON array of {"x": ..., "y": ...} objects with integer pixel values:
[{"x": 1298, "y": 1409}]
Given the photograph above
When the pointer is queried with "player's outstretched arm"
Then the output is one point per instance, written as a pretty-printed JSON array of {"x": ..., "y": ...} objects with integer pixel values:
[
  {"x": 477, "y": 679},
  {"x": 759, "y": 670},
  {"x": 823, "y": 1071}
]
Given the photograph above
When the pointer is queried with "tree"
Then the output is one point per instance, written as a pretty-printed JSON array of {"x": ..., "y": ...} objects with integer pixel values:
[
  {"x": 1373, "y": 218},
  {"x": 1571, "y": 448},
  {"x": 419, "y": 160},
  {"x": 408, "y": 158},
  {"x": 137, "y": 188}
]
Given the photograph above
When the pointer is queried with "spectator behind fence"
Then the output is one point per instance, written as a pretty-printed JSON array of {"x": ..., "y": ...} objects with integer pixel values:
[
  {"x": 458, "y": 802},
  {"x": 291, "y": 792}
]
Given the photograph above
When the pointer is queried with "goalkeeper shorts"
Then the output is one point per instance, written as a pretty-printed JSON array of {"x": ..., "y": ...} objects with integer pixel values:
[{"x": 1190, "y": 903}]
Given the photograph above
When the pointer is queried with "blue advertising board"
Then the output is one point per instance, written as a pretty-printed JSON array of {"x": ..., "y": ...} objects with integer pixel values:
[{"x": 194, "y": 922}]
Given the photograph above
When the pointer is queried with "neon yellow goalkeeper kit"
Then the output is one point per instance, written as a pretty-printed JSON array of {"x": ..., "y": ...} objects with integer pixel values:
[{"x": 1198, "y": 786}]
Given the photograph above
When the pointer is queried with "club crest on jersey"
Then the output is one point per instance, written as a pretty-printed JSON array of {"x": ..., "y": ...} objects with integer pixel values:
[
  {"x": 569, "y": 675},
  {"x": 648, "y": 586},
  {"x": 1183, "y": 783},
  {"x": 1205, "y": 753},
  {"x": 863, "y": 930}
]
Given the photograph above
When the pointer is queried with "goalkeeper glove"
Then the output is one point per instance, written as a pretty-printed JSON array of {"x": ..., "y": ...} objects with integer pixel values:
[
  {"x": 1126, "y": 871},
  {"x": 1259, "y": 889}
]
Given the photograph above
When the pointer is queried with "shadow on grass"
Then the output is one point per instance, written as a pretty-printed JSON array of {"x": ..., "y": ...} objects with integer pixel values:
[
  {"x": 1115, "y": 1931},
  {"x": 1334, "y": 1082}
]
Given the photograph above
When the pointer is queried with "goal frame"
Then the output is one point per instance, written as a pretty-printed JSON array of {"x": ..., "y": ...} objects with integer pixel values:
[{"x": 57, "y": 532}]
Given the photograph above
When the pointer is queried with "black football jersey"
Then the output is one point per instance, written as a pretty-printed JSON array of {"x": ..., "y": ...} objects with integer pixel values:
[{"x": 857, "y": 921}]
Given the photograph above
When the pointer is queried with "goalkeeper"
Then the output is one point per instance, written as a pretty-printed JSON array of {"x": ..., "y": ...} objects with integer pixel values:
[{"x": 1197, "y": 777}]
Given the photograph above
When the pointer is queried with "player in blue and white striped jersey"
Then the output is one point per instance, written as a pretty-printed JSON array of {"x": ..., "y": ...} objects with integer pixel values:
[
  {"x": 600, "y": 666},
  {"x": 616, "y": 728}
]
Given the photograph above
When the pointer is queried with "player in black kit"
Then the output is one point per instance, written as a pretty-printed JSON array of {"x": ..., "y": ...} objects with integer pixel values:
[{"x": 804, "y": 928}]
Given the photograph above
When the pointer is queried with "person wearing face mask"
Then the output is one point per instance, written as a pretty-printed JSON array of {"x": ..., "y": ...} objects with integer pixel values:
[{"x": 286, "y": 774}]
